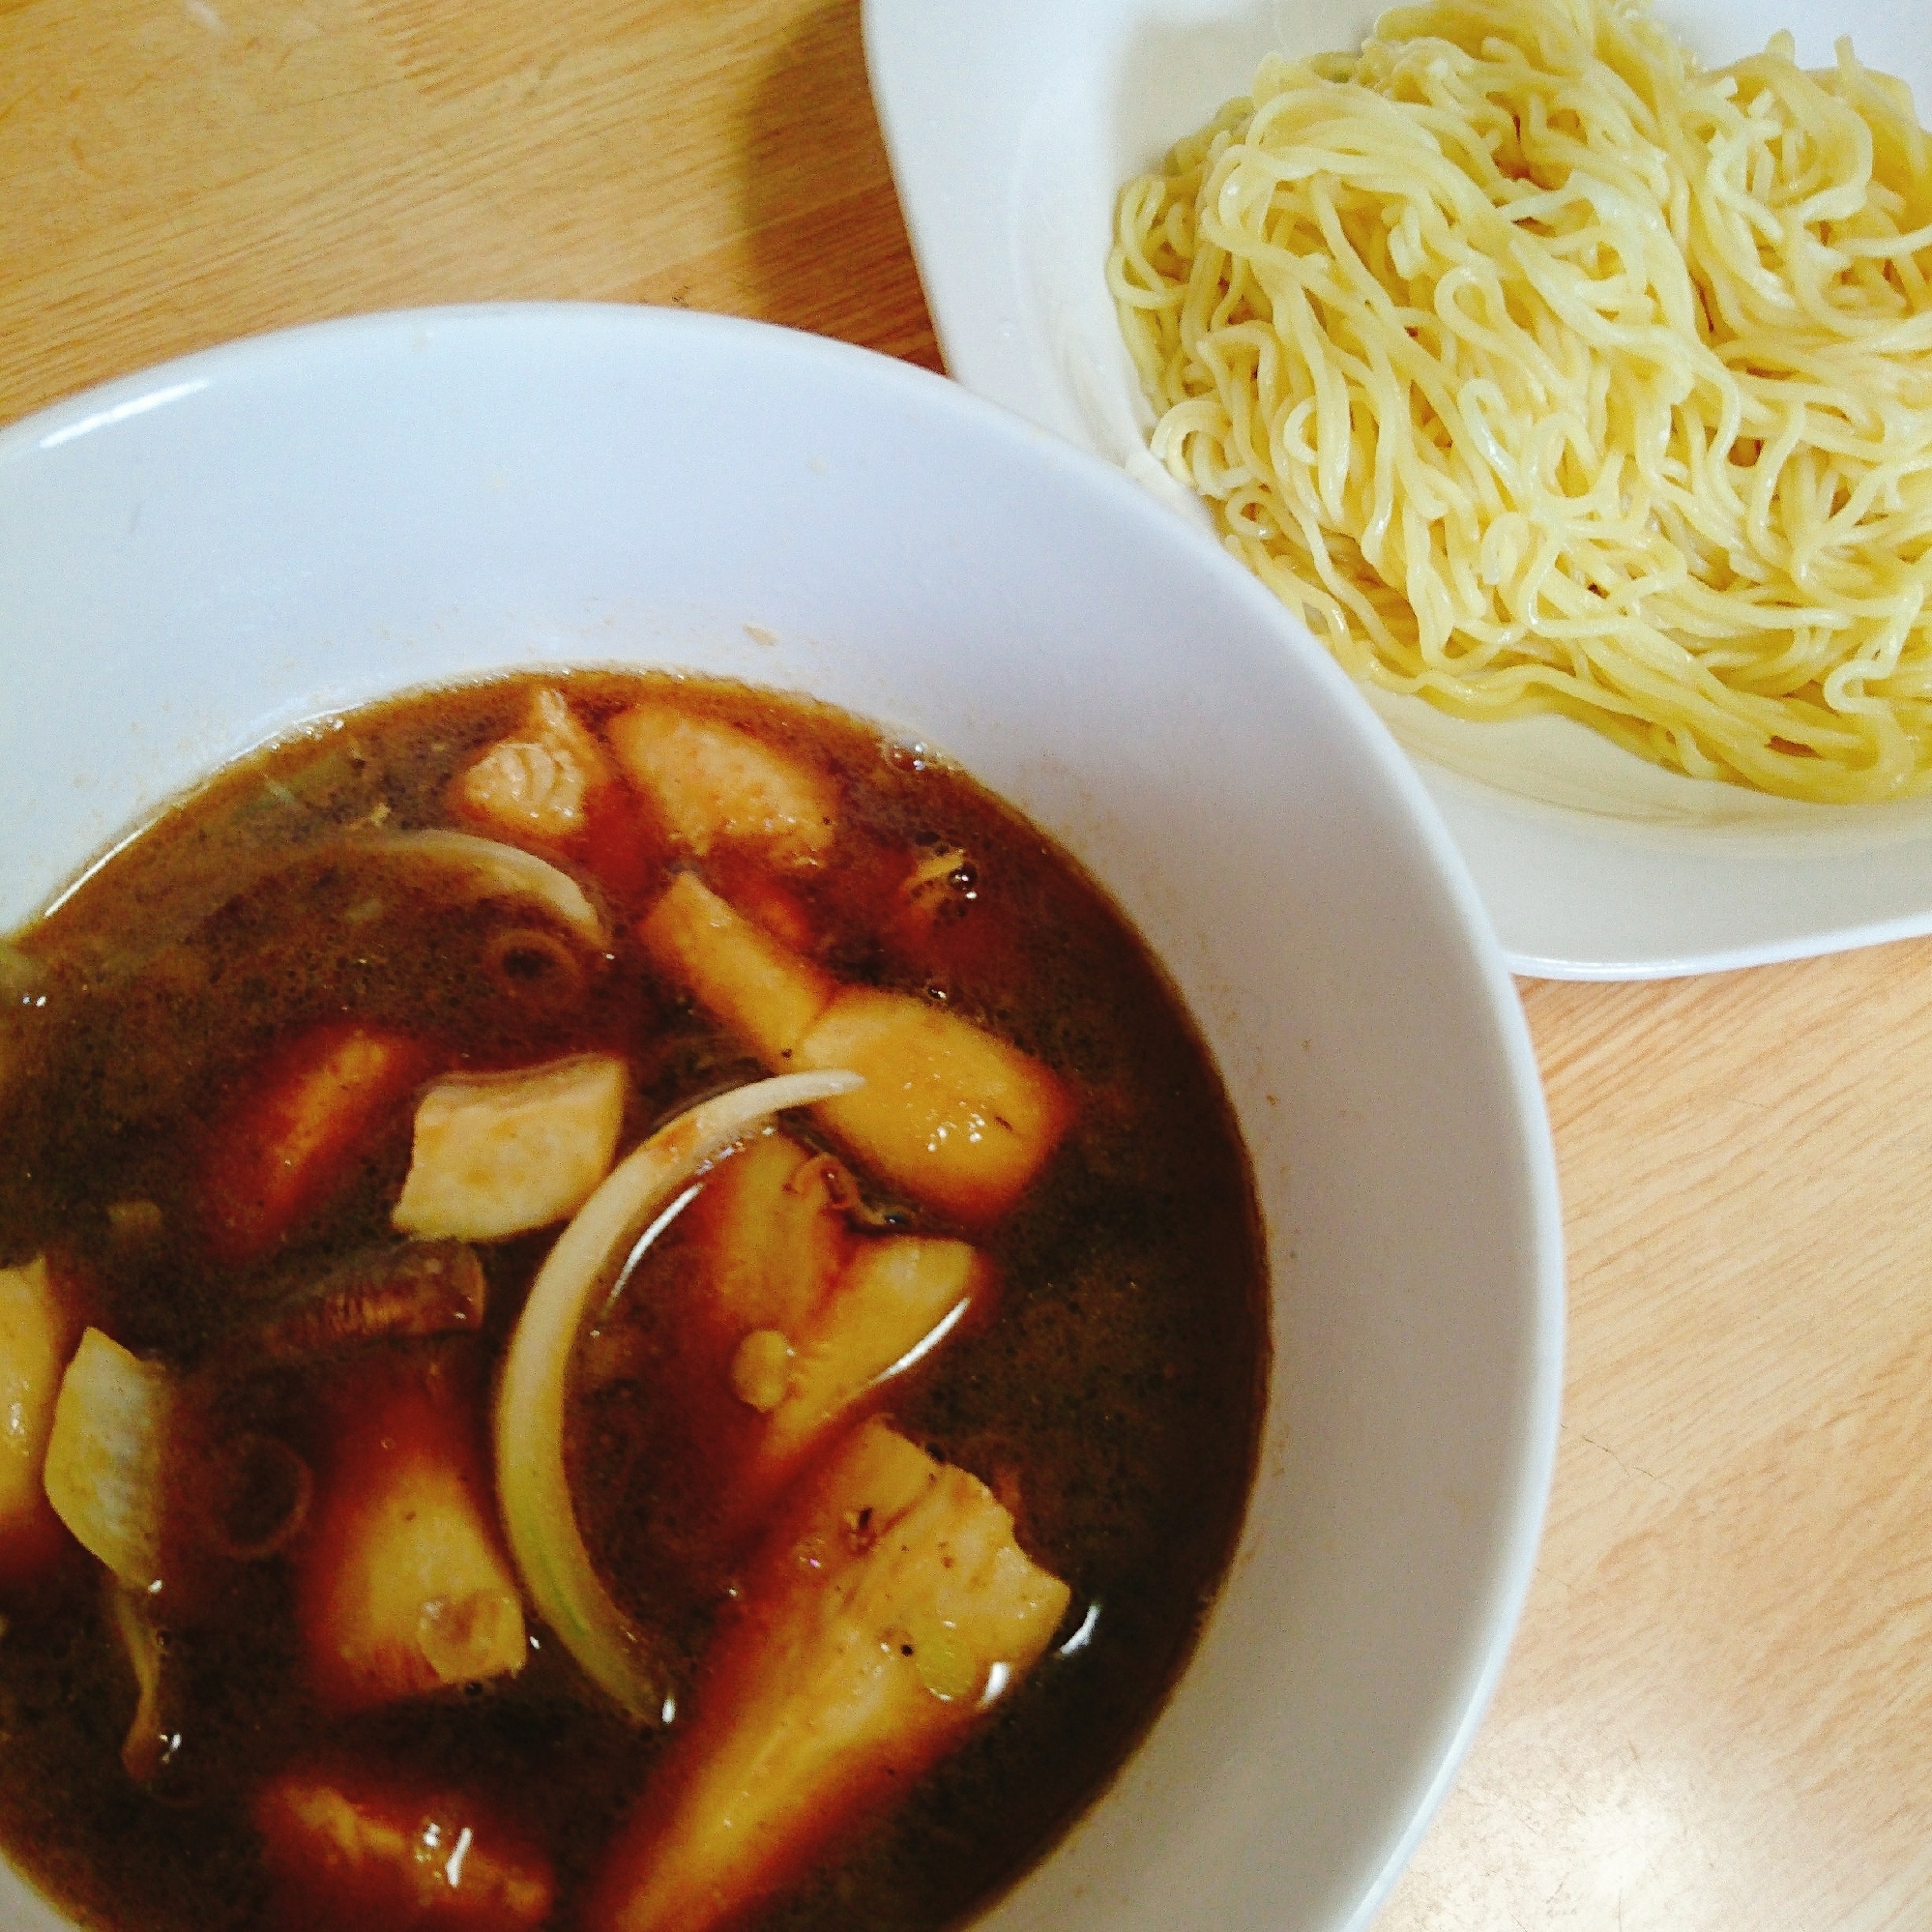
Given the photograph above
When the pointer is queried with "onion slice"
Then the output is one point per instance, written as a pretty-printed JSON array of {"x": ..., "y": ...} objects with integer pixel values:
[
  {"x": 148, "y": 1745},
  {"x": 496, "y": 870},
  {"x": 106, "y": 1456},
  {"x": 532, "y": 1487}
]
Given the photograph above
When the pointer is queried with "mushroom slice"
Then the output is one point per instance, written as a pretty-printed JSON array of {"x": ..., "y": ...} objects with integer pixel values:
[{"x": 406, "y": 1292}]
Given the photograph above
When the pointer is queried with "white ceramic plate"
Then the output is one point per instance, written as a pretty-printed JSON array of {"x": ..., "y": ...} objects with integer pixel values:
[
  {"x": 193, "y": 559},
  {"x": 1011, "y": 125}
]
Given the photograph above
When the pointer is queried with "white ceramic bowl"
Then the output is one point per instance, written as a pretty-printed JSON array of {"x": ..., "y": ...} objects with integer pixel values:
[
  {"x": 194, "y": 559},
  {"x": 1011, "y": 127}
]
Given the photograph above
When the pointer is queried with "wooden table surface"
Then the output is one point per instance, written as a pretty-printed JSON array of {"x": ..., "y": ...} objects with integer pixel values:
[{"x": 1718, "y": 1714}]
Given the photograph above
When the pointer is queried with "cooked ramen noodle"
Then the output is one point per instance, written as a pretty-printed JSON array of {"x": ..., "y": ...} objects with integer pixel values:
[{"x": 1536, "y": 367}]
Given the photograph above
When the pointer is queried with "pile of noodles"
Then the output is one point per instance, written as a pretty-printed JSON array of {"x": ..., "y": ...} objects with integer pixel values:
[{"x": 1538, "y": 368}]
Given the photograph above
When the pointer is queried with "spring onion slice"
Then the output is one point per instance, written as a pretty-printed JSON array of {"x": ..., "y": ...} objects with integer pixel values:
[{"x": 539, "y": 1517}]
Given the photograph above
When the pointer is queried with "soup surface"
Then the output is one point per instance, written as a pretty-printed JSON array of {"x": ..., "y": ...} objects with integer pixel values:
[{"x": 273, "y": 1657}]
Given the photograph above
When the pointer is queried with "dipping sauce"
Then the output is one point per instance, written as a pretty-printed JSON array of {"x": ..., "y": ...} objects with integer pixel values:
[{"x": 940, "y": 1398}]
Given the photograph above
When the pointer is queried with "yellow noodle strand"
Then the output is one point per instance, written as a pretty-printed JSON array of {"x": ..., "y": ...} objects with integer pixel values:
[{"x": 1538, "y": 368}]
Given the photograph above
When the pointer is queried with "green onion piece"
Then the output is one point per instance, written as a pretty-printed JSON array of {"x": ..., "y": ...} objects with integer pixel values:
[{"x": 532, "y": 1487}]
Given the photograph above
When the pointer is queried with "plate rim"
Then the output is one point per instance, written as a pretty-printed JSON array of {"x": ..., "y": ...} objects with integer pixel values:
[{"x": 1674, "y": 902}]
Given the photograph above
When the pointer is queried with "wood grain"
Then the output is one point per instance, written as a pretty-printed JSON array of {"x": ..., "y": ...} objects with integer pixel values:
[
  {"x": 1718, "y": 1716},
  {"x": 183, "y": 172},
  {"x": 1719, "y": 1710}
]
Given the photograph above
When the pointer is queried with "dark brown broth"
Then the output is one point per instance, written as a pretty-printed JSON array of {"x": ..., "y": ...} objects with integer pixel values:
[{"x": 1116, "y": 1394}]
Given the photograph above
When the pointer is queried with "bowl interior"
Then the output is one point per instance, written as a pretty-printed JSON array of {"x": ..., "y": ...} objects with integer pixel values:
[
  {"x": 1592, "y": 862},
  {"x": 204, "y": 556}
]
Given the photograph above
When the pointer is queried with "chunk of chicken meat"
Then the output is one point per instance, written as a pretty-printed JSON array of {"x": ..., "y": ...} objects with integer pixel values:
[
  {"x": 498, "y": 1153},
  {"x": 960, "y": 1118},
  {"x": 402, "y": 1585},
  {"x": 887, "y": 1610},
  {"x": 717, "y": 785},
  {"x": 38, "y": 1333},
  {"x": 807, "y": 1320},
  {"x": 297, "y": 1127},
  {"x": 538, "y": 782},
  {"x": 347, "y": 1852}
]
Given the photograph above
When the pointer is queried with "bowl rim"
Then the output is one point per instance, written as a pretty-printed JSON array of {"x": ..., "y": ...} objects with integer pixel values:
[{"x": 1520, "y": 1505}]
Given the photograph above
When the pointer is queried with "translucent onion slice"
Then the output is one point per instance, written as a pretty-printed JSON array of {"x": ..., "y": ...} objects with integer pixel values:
[
  {"x": 106, "y": 1456},
  {"x": 496, "y": 870},
  {"x": 148, "y": 1744},
  {"x": 532, "y": 1487}
]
